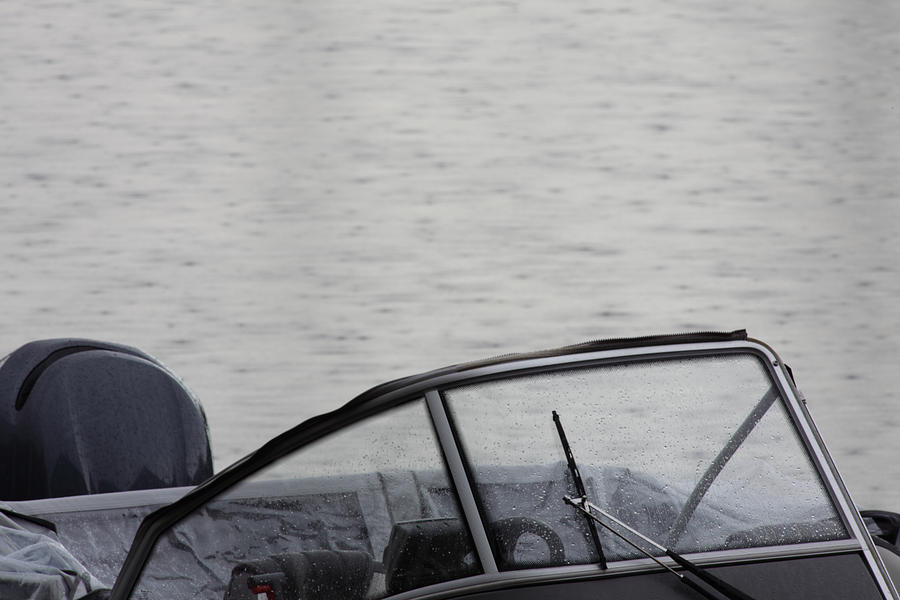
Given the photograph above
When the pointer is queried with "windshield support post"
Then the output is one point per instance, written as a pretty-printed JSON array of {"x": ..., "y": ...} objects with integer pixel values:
[
  {"x": 737, "y": 438},
  {"x": 460, "y": 479}
]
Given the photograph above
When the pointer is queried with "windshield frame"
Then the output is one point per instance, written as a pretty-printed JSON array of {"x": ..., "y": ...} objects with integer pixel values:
[{"x": 433, "y": 383}]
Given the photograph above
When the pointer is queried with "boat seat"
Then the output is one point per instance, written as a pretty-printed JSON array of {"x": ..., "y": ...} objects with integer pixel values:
[
  {"x": 427, "y": 551},
  {"x": 883, "y": 525},
  {"x": 313, "y": 575}
]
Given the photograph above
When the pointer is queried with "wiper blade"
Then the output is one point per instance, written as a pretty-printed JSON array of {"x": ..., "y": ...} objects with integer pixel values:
[
  {"x": 579, "y": 486},
  {"x": 720, "y": 585}
]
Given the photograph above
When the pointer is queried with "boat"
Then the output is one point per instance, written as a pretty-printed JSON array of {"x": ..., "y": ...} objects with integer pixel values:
[{"x": 679, "y": 466}]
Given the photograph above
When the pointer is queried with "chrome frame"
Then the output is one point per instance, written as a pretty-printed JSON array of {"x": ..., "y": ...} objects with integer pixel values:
[
  {"x": 432, "y": 388},
  {"x": 838, "y": 489}
]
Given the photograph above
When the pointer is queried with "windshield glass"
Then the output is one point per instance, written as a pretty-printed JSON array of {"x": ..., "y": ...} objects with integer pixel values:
[
  {"x": 645, "y": 436},
  {"x": 344, "y": 517}
]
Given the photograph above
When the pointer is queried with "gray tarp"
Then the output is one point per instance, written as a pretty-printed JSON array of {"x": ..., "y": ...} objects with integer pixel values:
[
  {"x": 357, "y": 512},
  {"x": 35, "y": 566}
]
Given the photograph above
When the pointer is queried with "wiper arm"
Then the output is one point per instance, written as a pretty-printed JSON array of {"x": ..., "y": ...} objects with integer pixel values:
[
  {"x": 582, "y": 504},
  {"x": 720, "y": 585},
  {"x": 579, "y": 487}
]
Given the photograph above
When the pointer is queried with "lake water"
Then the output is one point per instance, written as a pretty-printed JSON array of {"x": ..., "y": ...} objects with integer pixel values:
[{"x": 291, "y": 204}]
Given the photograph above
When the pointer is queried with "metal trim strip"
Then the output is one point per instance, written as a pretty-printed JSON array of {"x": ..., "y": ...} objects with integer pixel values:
[{"x": 829, "y": 470}]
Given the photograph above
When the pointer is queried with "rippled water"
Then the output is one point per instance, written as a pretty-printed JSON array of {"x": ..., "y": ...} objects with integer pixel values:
[{"x": 290, "y": 205}]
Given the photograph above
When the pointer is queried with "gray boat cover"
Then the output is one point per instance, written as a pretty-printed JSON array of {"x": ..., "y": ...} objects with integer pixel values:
[
  {"x": 35, "y": 566},
  {"x": 356, "y": 513}
]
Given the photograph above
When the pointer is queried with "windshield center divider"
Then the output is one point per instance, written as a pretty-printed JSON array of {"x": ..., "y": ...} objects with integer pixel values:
[{"x": 460, "y": 480}]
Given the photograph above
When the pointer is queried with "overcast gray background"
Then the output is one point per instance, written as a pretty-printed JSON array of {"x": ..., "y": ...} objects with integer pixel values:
[{"x": 288, "y": 203}]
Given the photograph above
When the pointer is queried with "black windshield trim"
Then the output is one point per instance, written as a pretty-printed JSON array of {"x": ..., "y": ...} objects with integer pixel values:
[{"x": 599, "y": 345}]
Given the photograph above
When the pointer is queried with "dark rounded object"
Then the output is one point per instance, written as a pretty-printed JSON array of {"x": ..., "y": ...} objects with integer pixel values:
[
  {"x": 506, "y": 533},
  {"x": 81, "y": 416},
  {"x": 427, "y": 551}
]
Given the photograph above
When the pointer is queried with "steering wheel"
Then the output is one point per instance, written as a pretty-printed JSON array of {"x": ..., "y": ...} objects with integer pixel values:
[{"x": 506, "y": 533}]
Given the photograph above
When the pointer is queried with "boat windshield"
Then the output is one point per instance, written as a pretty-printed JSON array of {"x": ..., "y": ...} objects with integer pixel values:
[{"x": 698, "y": 452}]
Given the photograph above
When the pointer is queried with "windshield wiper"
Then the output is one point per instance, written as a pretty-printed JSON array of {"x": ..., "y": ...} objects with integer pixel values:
[
  {"x": 579, "y": 486},
  {"x": 720, "y": 585},
  {"x": 586, "y": 507}
]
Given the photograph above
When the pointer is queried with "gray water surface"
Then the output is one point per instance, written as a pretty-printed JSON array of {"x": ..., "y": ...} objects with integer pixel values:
[{"x": 290, "y": 204}]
